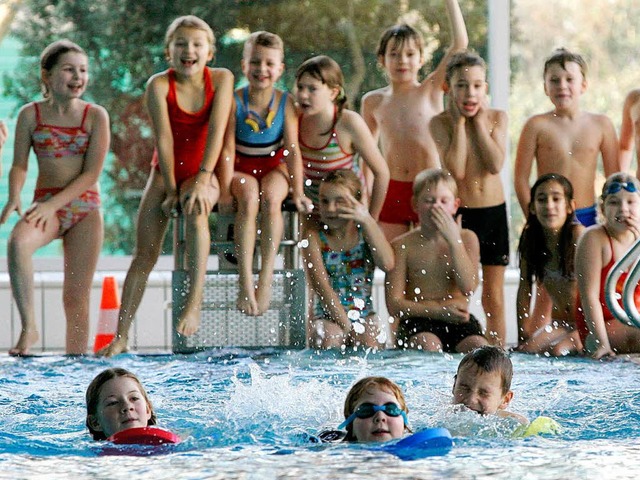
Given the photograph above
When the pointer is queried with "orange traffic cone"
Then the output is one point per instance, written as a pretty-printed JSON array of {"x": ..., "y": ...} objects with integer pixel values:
[{"x": 108, "y": 318}]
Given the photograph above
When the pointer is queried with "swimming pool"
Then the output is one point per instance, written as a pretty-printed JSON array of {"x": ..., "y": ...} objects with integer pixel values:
[{"x": 244, "y": 414}]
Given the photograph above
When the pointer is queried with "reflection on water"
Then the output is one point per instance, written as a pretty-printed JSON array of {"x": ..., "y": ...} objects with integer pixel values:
[{"x": 246, "y": 415}]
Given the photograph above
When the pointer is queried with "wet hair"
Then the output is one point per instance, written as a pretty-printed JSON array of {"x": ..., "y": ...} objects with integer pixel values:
[
  {"x": 93, "y": 397},
  {"x": 360, "y": 388},
  {"x": 490, "y": 359},
  {"x": 345, "y": 178},
  {"x": 264, "y": 39},
  {"x": 50, "y": 57},
  {"x": 399, "y": 34},
  {"x": 327, "y": 70},
  {"x": 532, "y": 247},
  {"x": 619, "y": 177},
  {"x": 461, "y": 60},
  {"x": 189, "y": 21},
  {"x": 431, "y": 177},
  {"x": 562, "y": 56}
]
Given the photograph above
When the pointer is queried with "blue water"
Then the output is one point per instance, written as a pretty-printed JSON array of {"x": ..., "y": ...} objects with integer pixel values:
[{"x": 245, "y": 415}]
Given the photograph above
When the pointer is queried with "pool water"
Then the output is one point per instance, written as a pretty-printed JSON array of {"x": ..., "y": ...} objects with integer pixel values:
[{"x": 247, "y": 414}]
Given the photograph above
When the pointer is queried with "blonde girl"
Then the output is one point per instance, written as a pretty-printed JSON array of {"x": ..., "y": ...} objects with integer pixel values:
[
  {"x": 70, "y": 138},
  {"x": 598, "y": 249},
  {"x": 189, "y": 106},
  {"x": 340, "y": 260}
]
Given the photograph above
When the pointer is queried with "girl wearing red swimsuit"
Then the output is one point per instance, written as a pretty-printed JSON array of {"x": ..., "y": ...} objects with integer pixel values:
[{"x": 596, "y": 253}]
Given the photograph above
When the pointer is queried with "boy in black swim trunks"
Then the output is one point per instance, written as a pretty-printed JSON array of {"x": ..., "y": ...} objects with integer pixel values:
[
  {"x": 436, "y": 272},
  {"x": 471, "y": 140}
]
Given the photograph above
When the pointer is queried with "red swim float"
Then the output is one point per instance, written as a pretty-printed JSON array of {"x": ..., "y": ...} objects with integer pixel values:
[{"x": 144, "y": 436}]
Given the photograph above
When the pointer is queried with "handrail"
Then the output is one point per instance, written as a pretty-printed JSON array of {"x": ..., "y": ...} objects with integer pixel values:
[{"x": 628, "y": 315}]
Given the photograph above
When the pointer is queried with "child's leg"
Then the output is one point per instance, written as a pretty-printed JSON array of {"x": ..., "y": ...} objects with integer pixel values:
[
  {"x": 197, "y": 248},
  {"x": 540, "y": 317},
  {"x": 82, "y": 245},
  {"x": 151, "y": 226},
  {"x": 623, "y": 338},
  {"x": 471, "y": 343},
  {"x": 326, "y": 334},
  {"x": 426, "y": 341},
  {"x": 493, "y": 302},
  {"x": 246, "y": 191},
  {"x": 25, "y": 239},
  {"x": 274, "y": 189},
  {"x": 371, "y": 336}
]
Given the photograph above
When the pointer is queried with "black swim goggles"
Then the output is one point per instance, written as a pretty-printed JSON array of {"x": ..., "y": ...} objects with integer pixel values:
[
  {"x": 368, "y": 410},
  {"x": 615, "y": 187}
]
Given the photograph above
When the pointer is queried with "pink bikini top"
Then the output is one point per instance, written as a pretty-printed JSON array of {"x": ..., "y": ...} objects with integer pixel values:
[{"x": 51, "y": 141}]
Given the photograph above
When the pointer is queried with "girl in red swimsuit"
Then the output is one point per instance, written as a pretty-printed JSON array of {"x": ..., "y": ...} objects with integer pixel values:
[
  {"x": 189, "y": 106},
  {"x": 596, "y": 253},
  {"x": 70, "y": 138}
]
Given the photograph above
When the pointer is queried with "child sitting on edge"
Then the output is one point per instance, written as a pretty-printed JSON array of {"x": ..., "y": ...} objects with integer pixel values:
[
  {"x": 262, "y": 136},
  {"x": 436, "y": 272},
  {"x": 375, "y": 411},
  {"x": 340, "y": 260},
  {"x": 599, "y": 248},
  {"x": 471, "y": 139},
  {"x": 546, "y": 251},
  {"x": 116, "y": 401},
  {"x": 483, "y": 383}
]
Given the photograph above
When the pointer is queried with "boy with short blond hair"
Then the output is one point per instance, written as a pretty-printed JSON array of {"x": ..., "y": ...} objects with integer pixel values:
[
  {"x": 398, "y": 115},
  {"x": 471, "y": 141},
  {"x": 566, "y": 140},
  {"x": 436, "y": 272}
]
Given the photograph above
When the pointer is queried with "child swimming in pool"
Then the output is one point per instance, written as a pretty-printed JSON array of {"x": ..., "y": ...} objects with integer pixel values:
[
  {"x": 375, "y": 411},
  {"x": 116, "y": 401},
  {"x": 483, "y": 383}
]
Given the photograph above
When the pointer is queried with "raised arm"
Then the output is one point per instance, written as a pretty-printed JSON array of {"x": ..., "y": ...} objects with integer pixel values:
[
  {"x": 609, "y": 146},
  {"x": 491, "y": 138},
  {"x": 364, "y": 144},
  {"x": 449, "y": 133},
  {"x": 459, "y": 41},
  {"x": 524, "y": 162},
  {"x": 4, "y": 133},
  {"x": 627, "y": 129}
]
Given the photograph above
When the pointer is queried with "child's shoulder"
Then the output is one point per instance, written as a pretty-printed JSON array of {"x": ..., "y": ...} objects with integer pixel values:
[
  {"x": 376, "y": 95},
  {"x": 403, "y": 241},
  {"x": 158, "y": 79},
  {"x": 219, "y": 72}
]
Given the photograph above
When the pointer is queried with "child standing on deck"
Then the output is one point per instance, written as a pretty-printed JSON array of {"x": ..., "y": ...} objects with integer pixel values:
[
  {"x": 565, "y": 140},
  {"x": 70, "y": 138},
  {"x": 471, "y": 141},
  {"x": 189, "y": 106},
  {"x": 598, "y": 250},
  {"x": 340, "y": 260},
  {"x": 436, "y": 271},
  {"x": 546, "y": 251},
  {"x": 331, "y": 135},
  {"x": 262, "y": 136},
  {"x": 398, "y": 115}
]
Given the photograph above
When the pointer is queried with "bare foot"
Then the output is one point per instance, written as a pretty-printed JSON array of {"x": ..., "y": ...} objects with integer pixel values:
[
  {"x": 263, "y": 295},
  {"x": 247, "y": 302},
  {"x": 26, "y": 340},
  {"x": 189, "y": 322},
  {"x": 117, "y": 345}
]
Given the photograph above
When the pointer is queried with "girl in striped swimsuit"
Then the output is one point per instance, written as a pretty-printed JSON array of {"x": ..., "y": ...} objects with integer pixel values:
[{"x": 330, "y": 135}]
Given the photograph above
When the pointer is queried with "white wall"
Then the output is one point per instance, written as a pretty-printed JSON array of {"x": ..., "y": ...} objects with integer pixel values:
[{"x": 152, "y": 330}]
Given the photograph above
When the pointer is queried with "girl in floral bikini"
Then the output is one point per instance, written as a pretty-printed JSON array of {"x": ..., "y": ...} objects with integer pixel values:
[{"x": 70, "y": 138}]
